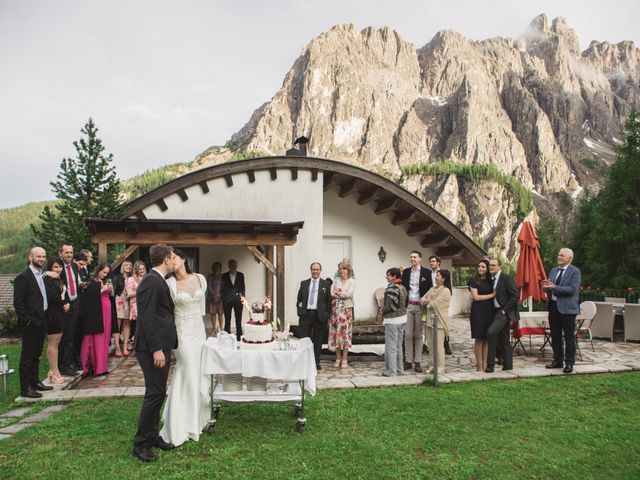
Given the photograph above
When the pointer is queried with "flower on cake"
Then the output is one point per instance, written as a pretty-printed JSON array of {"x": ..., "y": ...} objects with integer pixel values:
[{"x": 257, "y": 310}]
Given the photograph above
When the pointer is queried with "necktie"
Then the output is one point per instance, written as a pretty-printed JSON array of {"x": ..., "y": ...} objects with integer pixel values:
[
  {"x": 312, "y": 295},
  {"x": 559, "y": 277},
  {"x": 72, "y": 284}
]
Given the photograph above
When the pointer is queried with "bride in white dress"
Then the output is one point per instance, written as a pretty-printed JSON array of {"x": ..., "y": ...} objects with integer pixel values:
[{"x": 187, "y": 410}]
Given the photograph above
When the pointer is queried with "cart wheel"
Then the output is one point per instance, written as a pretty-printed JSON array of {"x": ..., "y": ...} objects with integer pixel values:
[
  {"x": 209, "y": 429},
  {"x": 298, "y": 411},
  {"x": 216, "y": 413},
  {"x": 300, "y": 427}
]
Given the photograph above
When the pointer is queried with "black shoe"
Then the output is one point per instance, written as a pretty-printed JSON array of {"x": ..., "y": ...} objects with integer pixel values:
[
  {"x": 42, "y": 387},
  {"x": 68, "y": 372},
  {"x": 489, "y": 369},
  {"x": 407, "y": 365},
  {"x": 425, "y": 349},
  {"x": 318, "y": 367},
  {"x": 162, "y": 445},
  {"x": 498, "y": 360},
  {"x": 505, "y": 368},
  {"x": 418, "y": 368},
  {"x": 568, "y": 368},
  {"x": 144, "y": 454},
  {"x": 554, "y": 364},
  {"x": 447, "y": 348},
  {"x": 31, "y": 393}
]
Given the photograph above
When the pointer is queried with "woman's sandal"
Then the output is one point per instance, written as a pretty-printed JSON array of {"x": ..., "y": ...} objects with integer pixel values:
[
  {"x": 344, "y": 365},
  {"x": 336, "y": 364}
]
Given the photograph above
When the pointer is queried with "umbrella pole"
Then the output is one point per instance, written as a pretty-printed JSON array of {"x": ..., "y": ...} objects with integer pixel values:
[{"x": 530, "y": 301}]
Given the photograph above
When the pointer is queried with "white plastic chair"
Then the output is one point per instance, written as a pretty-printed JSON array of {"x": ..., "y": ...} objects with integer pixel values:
[{"x": 583, "y": 327}]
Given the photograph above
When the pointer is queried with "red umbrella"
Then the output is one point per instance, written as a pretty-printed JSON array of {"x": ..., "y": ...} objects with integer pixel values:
[{"x": 530, "y": 269}]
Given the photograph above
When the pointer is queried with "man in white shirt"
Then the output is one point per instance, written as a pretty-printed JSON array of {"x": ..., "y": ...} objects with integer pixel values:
[{"x": 417, "y": 281}]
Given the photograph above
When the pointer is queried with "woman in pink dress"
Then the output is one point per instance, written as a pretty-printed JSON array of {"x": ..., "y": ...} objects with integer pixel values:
[
  {"x": 100, "y": 310},
  {"x": 130, "y": 289}
]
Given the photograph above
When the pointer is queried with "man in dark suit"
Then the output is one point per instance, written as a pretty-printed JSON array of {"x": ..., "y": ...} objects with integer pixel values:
[
  {"x": 506, "y": 311},
  {"x": 69, "y": 349},
  {"x": 314, "y": 309},
  {"x": 155, "y": 337},
  {"x": 232, "y": 290},
  {"x": 563, "y": 289},
  {"x": 417, "y": 281},
  {"x": 30, "y": 304}
]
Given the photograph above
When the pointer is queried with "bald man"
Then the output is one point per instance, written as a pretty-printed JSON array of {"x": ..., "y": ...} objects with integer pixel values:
[{"x": 30, "y": 303}]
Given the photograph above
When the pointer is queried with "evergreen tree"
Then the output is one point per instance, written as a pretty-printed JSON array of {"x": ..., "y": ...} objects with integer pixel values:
[
  {"x": 607, "y": 232},
  {"x": 88, "y": 188}
]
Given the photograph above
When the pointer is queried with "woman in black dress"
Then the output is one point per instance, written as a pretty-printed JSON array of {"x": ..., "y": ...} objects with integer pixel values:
[
  {"x": 482, "y": 310},
  {"x": 58, "y": 303}
]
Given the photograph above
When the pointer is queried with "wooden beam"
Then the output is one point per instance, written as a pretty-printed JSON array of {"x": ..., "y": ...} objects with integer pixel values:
[
  {"x": 182, "y": 194},
  {"x": 264, "y": 260},
  {"x": 102, "y": 252},
  {"x": 229, "y": 180},
  {"x": 141, "y": 216},
  {"x": 204, "y": 186},
  {"x": 314, "y": 174},
  {"x": 328, "y": 178},
  {"x": 270, "y": 256},
  {"x": 252, "y": 176},
  {"x": 404, "y": 217},
  {"x": 436, "y": 240},
  {"x": 385, "y": 206},
  {"x": 161, "y": 203},
  {"x": 367, "y": 196},
  {"x": 280, "y": 312},
  {"x": 194, "y": 238},
  {"x": 348, "y": 188},
  {"x": 421, "y": 228},
  {"x": 294, "y": 173},
  {"x": 274, "y": 173},
  {"x": 123, "y": 256},
  {"x": 451, "y": 252}
]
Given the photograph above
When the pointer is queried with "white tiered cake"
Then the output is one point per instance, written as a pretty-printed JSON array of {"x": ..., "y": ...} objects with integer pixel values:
[{"x": 257, "y": 332}]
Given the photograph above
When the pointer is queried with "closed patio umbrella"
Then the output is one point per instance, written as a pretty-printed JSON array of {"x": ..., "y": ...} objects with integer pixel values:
[{"x": 530, "y": 269}]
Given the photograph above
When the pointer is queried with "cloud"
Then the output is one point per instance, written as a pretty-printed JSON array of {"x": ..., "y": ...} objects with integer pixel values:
[{"x": 142, "y": 111}]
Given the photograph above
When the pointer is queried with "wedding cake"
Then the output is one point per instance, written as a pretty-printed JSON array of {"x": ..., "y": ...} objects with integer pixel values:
[{"x": 257, "y": 331}]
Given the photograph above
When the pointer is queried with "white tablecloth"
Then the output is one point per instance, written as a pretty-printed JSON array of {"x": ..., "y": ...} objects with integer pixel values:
[{"x": 218, "y": 358}]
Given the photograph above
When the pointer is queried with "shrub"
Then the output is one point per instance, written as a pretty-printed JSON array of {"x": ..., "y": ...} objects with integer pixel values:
[{"x": 9, "y": 322}]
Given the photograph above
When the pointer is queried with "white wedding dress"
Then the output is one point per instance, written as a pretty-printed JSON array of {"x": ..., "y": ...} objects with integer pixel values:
[{"x": 187, "y": 410}]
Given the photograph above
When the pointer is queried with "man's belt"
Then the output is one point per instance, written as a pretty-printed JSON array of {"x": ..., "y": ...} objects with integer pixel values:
[{"x": 413, "y": 303}]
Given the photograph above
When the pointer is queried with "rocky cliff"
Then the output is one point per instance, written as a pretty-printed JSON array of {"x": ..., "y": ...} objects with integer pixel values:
[{"x": 536, "y": 107}]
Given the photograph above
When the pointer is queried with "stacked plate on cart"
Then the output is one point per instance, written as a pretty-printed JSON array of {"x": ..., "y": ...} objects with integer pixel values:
[
  {"x": 232, "y": 382},
  {"x": 256, "y": 384}
]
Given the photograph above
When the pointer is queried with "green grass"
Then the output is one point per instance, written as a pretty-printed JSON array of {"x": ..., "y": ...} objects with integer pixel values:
[
  {"x": 13, "y": 351},
  {"x": 556, "y": 427}
]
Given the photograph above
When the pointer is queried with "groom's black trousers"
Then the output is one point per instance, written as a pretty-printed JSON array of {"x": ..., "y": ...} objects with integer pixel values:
[{"x": 155, "y": 383}]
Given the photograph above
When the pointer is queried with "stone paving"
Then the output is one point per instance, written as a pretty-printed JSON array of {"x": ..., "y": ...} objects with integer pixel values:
[
  {"x": 126, "y": 380},
  {"x": 24, "y": 419}
]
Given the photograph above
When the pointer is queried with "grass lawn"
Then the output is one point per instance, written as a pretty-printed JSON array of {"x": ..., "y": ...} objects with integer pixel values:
[
  {"x": 555, "y": 427},
  {"x": 13, "y": 351}
]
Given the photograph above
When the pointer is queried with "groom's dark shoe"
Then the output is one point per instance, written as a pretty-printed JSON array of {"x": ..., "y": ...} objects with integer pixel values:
[
  {"x": 144, "y": 454},
  {"x": 162, "y": 445},
  {"x": 554, "y": 364}
]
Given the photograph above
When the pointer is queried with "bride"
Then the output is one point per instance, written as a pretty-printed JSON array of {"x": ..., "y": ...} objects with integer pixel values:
[{"x": 186, "y": 410}]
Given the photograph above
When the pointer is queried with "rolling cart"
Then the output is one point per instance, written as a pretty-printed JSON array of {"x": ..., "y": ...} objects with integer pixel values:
[{"x": 258, "y": 375}]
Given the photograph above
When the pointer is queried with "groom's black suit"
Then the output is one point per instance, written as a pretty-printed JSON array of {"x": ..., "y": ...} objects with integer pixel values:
[{"x": 155, "y": 331}]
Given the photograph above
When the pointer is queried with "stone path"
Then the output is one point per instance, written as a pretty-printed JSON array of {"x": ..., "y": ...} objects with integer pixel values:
[
  {"x": 126, "y": 380},
  {"x": 25, "y": 419}
]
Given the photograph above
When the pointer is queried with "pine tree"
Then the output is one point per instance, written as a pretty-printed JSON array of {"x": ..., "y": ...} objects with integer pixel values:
[{"x": 88, "y": 188}]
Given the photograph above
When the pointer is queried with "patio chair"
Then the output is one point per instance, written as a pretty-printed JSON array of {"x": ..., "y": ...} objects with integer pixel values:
[
  {"x": 618, "y": 304},
  {"x": 583, "y": 325},
  {"x": 631, "y": 321},
  {"x": 602, "y": 324}
]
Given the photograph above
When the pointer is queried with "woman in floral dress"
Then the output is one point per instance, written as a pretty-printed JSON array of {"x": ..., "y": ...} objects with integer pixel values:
[
  {"x": 131, "y": 287},
  {"x": 341, "y": 321}
]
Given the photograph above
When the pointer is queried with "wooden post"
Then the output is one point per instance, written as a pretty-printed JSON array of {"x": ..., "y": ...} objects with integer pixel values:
[
  {"x": 270, "y": 279},
  {"x": 280, "y": 313},
  {"x": 102, "y": 252}
]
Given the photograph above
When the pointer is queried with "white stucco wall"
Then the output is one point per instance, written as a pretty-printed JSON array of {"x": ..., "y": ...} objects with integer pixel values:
[
  {"x": 283, "y": 200},
  {"x": 368, "y": 232}
]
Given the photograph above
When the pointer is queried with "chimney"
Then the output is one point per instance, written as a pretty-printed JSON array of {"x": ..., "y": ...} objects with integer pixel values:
[{"x": 302, "y": 145}]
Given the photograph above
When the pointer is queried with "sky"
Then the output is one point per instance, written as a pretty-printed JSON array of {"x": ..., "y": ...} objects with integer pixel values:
[{"x": 165, "y": 80}]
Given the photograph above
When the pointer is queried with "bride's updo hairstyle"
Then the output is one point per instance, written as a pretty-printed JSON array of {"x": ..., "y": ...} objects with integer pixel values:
[{"x": 184, "y": 257}]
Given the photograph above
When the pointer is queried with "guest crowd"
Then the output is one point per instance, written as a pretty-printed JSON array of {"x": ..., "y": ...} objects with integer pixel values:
[{"x": 86, "y": 312}]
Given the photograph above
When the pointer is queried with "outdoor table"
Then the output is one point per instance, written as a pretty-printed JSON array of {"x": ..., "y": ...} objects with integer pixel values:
[
  {"x": 535, "y": 323},
  {"x": 287, "y": 375}
]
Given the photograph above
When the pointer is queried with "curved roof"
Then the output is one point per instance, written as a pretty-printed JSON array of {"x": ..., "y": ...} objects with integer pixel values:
[{"x": 421, "y": 220}]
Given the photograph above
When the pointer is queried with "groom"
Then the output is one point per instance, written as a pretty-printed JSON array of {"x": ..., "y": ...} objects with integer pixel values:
[{"x": 155, "y": 337}]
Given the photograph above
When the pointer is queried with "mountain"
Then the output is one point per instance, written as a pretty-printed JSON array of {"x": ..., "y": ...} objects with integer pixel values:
[{"x": 537, "y": 108}]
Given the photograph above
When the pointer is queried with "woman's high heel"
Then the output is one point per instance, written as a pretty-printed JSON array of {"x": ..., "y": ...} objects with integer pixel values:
[{"x": 54, "y": 377}]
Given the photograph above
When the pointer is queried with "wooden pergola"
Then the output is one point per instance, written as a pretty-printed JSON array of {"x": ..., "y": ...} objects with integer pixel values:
[{"x": 261, "y": 238}]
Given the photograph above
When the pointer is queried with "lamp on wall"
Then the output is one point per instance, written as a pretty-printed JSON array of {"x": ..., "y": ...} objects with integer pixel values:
[{"x": 382, "y": 255}]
